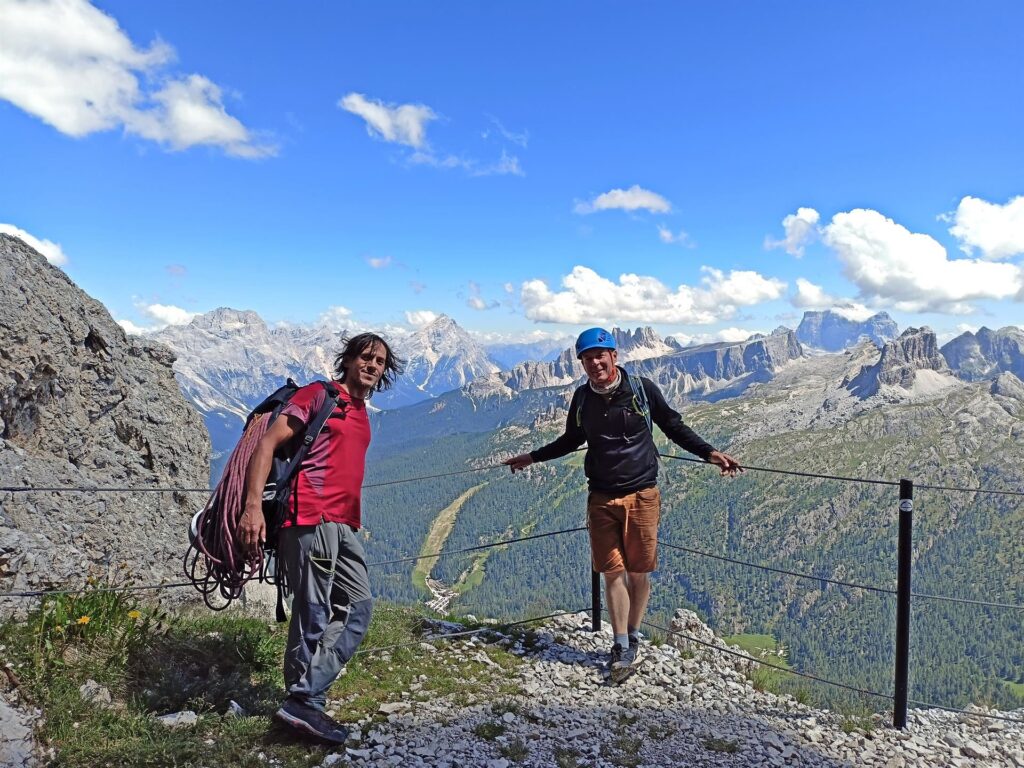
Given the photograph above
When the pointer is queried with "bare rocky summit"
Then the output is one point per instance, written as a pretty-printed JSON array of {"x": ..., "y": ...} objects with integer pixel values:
[{"x": 84, "y": 405}]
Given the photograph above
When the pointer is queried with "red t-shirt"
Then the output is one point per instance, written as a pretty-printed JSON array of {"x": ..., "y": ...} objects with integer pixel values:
[{"x": 329, "y": 482}]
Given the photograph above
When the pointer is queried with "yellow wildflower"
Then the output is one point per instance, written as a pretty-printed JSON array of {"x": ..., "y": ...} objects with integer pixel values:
[
  {"x": 82, "y": 620},
  {"x": 134, "y": 614}
]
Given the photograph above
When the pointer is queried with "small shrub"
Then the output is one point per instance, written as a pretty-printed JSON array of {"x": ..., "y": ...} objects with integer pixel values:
[
  {"x": 516, "y": 750},
  {"x": 714, "y": 744},
  {"x": 566, "y": 758},
  {"x": 489, "y": 730}
]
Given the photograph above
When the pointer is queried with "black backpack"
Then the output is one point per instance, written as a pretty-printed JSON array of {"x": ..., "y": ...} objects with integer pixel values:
[
  {"x": 215, "y": 562},
  {"x": 278, "y": 500}
]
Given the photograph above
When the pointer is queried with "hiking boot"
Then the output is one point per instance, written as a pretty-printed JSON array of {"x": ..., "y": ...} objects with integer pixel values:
[
  {"x": 615, "y": 656},
  {"x": 311, "y": 721},
  {"x": 625, "y": 665},
  {"x": 634, "y": 648}
]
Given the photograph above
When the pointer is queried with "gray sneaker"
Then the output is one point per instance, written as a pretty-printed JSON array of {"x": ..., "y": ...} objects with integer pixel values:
[
  {"x": 311, "y": 721},
  {"x": 624, "y": 663}
]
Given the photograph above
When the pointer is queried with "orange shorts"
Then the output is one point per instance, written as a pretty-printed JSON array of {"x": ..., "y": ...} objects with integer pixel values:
[{"x": 624, "y": 530}]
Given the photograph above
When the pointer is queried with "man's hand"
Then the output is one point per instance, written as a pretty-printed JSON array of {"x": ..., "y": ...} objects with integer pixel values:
[
  {"x": 252, "y": 529},
  {"x": 725, "y": 462},
  {"x": 520, "y": 462}
]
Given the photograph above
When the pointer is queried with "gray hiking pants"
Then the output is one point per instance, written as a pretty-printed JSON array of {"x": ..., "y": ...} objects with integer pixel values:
[{"x": 331, "y": 605}]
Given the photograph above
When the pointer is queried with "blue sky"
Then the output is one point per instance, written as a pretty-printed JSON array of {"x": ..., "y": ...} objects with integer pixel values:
[{"x": 710, "y": 169}]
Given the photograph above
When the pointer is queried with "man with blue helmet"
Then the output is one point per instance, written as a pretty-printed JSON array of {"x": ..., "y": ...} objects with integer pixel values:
[{"x": 613, "y": 413}]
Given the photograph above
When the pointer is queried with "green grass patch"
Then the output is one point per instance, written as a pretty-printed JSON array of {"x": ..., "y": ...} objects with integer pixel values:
[
  {"x": 439, "y": 532},
  {"x": 1016, "y": 688},
  {"x": 153, "y": 663},
  {"x": 763, "y": 648}
]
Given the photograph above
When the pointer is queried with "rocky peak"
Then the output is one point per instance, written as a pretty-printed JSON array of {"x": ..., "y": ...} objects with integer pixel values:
[
  {"x": 901, "y": 362},
  {"x": 83, "y": 404},
  {"x": 833, "y": 332},
  {"x": 225, "y": 320},
  {"x": 640, "y": 344},
  {"x": 983, "y": 355}
]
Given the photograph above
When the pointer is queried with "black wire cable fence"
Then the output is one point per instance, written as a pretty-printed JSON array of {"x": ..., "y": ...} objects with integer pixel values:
[{"x": 464, "y": 558}]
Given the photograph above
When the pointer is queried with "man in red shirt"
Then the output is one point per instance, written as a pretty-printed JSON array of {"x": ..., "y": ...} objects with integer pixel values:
[{"x": 317, "y": 545}]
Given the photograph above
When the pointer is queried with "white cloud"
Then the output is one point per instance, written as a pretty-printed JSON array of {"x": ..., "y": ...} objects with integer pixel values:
[
  {"x": 134, "y": 329},
  {"x": 532, "y": 336},
  {"x": 590, "y": 298},
  {"x": 378, "y": 262},
  {"x": 420, "y": 317},
  {"x": 995, "y": 230},
  {"x": 522, "y": 139},
  {"x": 167, "y": 314},
  {"x": 898, "y": 269},
  {"x": 51, "y": 250},
  {"x": 723, "y": 334},
  {"x": 73, "y": 67},
  {"x": 811, "y": 296},
  {"x": 337, "y": 317},
  {"x": 505, "y": 165},
  {"x": 681, "y": 238},
  {"x": 800, "y": 228},
  {"x": 633, "y": 199},
  {"x": 191, "y": 113},
  {"x": 400, "y": 124},
  {"x": 476, "y": 301}
]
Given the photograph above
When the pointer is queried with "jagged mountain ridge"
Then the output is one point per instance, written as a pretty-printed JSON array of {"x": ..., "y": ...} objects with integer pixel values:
[
  {"x": 537, "y": 393},
  {"x": 84, "y": 405}
]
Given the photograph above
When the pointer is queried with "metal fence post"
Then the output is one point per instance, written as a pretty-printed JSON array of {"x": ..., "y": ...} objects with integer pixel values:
[
  {"x": 904, "y": 548},
  {"x": 595, "y": 601}
]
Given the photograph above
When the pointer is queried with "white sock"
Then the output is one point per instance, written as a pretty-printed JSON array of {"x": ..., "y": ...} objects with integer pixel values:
[{"x": 622, "y": 640}]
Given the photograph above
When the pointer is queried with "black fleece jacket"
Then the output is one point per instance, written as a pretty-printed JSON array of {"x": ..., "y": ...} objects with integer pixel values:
[{"x": 621, "y": 454}]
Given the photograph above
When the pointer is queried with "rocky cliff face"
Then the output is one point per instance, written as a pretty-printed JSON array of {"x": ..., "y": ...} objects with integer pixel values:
[
  {"x": 82, "y": 404},
  {"x": 711, "y": 371},
  {"x": 987, "y": 353},
  {"x": 832, "y": 332},
  {"x": 901, "y": 364}
]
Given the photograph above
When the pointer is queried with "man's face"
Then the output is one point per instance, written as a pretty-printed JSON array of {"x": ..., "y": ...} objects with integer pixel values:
[
  {"x": 599, "y": 365},
  {"x": 366, "y": 368}
]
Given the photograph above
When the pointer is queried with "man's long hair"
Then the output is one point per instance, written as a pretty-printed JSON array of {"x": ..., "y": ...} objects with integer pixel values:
[{"x": 354, "y": 346}]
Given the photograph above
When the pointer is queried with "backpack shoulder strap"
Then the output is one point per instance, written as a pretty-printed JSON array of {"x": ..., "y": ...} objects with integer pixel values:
[
  {"x": 640, "y": 399},
  {"x": 316, "y": 424},
  {"x": 581, "y": 396}
]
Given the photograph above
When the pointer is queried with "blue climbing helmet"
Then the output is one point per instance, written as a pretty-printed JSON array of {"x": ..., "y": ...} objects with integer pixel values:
[{"x": 594, "y": 338}]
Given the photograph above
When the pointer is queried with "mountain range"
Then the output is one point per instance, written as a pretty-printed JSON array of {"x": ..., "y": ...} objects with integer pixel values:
[{"x": 824, "y": 436}]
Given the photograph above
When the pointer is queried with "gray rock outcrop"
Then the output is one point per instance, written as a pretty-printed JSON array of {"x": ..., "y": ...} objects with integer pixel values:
[
  {"x": 987, "y": 353},
  {"x": 17, "y": 745},
  {"x": 83, "y": 405},
  {"x": 915, "y": 350},
  {"x": 832, "y": 332},
  {"x": 721, "y": 369}
]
